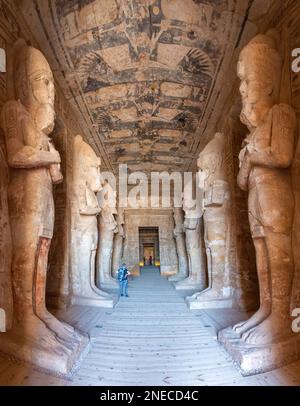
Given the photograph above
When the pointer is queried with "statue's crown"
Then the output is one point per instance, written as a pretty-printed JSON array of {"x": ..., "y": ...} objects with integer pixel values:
[{"x": 29, "y": 60}]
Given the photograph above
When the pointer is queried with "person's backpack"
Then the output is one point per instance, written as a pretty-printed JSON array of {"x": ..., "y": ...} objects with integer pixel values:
[{"x": 121, "y": 273}]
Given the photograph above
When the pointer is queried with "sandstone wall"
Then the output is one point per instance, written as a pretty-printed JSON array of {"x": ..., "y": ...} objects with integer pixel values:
[{"x": 161, "y": 218}]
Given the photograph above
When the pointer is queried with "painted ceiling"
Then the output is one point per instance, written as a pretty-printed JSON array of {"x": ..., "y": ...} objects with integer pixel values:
[{"x": 141, "y": 74}]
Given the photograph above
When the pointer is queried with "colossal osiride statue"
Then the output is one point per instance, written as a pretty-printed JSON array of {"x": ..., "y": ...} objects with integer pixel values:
[
  {"x": 216, "y": 218},
  {"x": 266, "y": 340},
  {"x": 85, "y": 208},
  {"x": 178, "y": 233},
  {"x": 197, "y": 277},
  {"x": 118, "y": 242},
  {"x": 6, "y": 298},
  {"x": 107, "y": 226},
  {"x": 37, "y": 336}
]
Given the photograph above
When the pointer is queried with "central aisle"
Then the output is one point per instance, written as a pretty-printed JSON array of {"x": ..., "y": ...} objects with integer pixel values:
[{"x": 152, "y": 338}]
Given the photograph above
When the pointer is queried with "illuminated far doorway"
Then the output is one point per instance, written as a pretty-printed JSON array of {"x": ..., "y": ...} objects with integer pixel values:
[{"x": 149, "y": 246}]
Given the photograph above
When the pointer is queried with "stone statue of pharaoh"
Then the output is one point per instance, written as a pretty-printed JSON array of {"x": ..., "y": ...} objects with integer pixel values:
[
  {"x": 213, "y": 182},
  {"x": 86, "y": 183},
  {"x": 197, "y": 278},
  {"x": 6, "y": 299},
  {"x": 28, "y": 121},
  {"x": 179, "y": 236},
  {"x": 265, "y": 161},
  {"x": 118, "y": 242},
  {"x": 107, "y": 226}
]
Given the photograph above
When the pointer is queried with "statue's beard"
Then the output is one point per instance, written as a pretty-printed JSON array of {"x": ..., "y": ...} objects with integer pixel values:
[
  {"x": 44, "y": 118},
  {"x": 245, "y": 120}
]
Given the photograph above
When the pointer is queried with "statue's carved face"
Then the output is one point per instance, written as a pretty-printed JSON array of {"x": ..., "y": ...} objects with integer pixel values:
[
  {"x": 95, "y": 177},
  {"x": 42, "y": 85},
  {"x": 41, "y": 99},
  {"x": 192, "y": 209},
  {"x": 208, "y": 164},
  {"x": 108, "y": 199},
  {"x": 177, "y": 214},
  {"x": 256, "y": 93}
]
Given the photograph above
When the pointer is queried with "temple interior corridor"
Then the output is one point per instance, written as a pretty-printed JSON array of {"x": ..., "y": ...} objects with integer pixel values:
[
  {"x": 149, "y": 145},
  {"x": 151, "y": 338}
]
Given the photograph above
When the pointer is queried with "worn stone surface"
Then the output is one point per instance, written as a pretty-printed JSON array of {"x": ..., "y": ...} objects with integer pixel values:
[
  {"x": 193, "y": 228},
  {"x": 118, "y": 247},
  {"x": 6, "y": 299},
  {"x": 255, "y": 359},
  {"x": 216, "y": 219},
  {"x": 27, "y": 121},
  {"x": 107, "y": 227},
  {"x": 242, "y": 265},
  {"x": 178, "y": 233},
  {"x": 137, "y": 74},
  {"x": 86, "y": 183},
  {"x": 265, "y": 162},
  {"x": 166, "y": 344}
]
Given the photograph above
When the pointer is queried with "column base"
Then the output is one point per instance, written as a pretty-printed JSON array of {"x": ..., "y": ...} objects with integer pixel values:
[
  {"x": 43, "y": 350},
  {"x": 208, "y": 303},
  {"x": 176, "y": 278},
  {"x": 251, "y": 359},
  {"x": 168, "y": 270},
  {"x": 188, "y": 284},
  {"x": 106, "y": 302}
]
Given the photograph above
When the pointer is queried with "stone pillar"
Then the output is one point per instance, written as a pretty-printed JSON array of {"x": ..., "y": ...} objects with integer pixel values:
[
  {"x": 27, "y": 120},
  {"x": 266, "y": 341},
  {"x": 107, "y": 226},
  {"x": 193, "y": 226},
  {"x": 156, "y": 251},
  {"x": 118, "y": 243},
  {"x": 84, "y": 233},
  {"x": 180, "y": 246},
  {"x": 6, "y": 298},
  {"x": 216, "y": 218}
]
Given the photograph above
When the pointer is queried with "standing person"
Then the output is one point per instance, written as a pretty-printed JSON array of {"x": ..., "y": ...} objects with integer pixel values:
[
  {"x": 150, "y": 260},
  {"x": 123, "y": 280}
]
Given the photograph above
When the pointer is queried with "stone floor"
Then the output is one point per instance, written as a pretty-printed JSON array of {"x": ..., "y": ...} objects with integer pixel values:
[{"x": 151, "y": 338}]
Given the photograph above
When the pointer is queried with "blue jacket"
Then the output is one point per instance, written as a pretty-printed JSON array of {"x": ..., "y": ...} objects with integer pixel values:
[{"x": 122, "y": 273}]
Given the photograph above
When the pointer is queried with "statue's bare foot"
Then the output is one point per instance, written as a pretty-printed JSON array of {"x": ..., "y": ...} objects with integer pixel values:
[
  {"x": 208, "y": 294},
  {"x": 63, "y": 330},
  {"x": 242, "y": 327},
  {"x": 271, "y": 330},
  {"x": 33, "y": 329}
]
